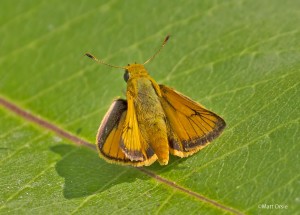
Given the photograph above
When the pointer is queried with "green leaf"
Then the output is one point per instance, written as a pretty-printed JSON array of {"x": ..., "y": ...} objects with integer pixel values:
[{"x": 237, "y": 58}]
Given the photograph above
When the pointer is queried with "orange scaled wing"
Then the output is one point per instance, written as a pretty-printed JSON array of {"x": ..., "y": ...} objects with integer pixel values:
[
  {"x": 133, "y": 143},
  {"x": 190, "y": 126},
  {"x": 109, "y": 137}
]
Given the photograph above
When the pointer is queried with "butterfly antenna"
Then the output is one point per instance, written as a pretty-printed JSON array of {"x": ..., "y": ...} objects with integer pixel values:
[
  {"x": 163, "y": 44},
  {"x": 102, "y": 62}
]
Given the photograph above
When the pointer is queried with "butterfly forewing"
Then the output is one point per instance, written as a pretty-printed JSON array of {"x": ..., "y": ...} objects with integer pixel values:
[
  {"x": 134, "y": 144},
  {"x": 116, "y": 143}
]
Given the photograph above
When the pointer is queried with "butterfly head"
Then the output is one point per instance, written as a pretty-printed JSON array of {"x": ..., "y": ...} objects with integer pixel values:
[{"x": 134, "y": 70}]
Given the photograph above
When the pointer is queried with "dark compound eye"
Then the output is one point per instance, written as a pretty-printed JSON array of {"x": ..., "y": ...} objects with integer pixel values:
[{"x": 126, "y": 75}]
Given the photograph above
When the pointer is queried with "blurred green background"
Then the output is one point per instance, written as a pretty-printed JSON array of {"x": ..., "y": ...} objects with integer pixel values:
[{"x": 240, "y": 59}]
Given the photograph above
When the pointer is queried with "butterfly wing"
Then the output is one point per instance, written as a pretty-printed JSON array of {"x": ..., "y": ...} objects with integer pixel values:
[
  {"x": 110, "y": 143},
  {"x": 190, "y": 126},
  {"x": 134, "y": 144},
  {"x": 109, "y": 133}
]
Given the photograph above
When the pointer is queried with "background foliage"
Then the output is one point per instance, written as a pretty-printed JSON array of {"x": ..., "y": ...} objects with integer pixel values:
[{"x": 238, "y": 58}]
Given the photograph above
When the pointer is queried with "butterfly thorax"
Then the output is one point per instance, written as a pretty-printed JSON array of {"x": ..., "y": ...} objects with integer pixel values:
[{"x": 134, "y": 73}]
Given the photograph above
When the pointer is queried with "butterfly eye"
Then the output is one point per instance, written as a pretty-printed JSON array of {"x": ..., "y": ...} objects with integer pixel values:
[{"x": 126, "y": 75}]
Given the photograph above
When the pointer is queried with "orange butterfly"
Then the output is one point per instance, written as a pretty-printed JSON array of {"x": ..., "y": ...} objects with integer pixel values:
[{"x": 154, "y": 121}]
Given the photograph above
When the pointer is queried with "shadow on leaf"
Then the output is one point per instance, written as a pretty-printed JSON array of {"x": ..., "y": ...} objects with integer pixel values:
[
  {"x": 174, "y": 163},
  {"x": 86, "y": 174}
]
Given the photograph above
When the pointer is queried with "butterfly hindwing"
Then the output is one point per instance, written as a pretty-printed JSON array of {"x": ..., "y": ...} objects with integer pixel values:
[
  {"x": 109, "y": 133},
  {"x": 190, "y": 126}
]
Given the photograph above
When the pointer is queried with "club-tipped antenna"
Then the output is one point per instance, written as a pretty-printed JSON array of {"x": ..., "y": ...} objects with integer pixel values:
[
  {"x": 156, "y": 53},
  {"x": 102, "y": 62}
]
